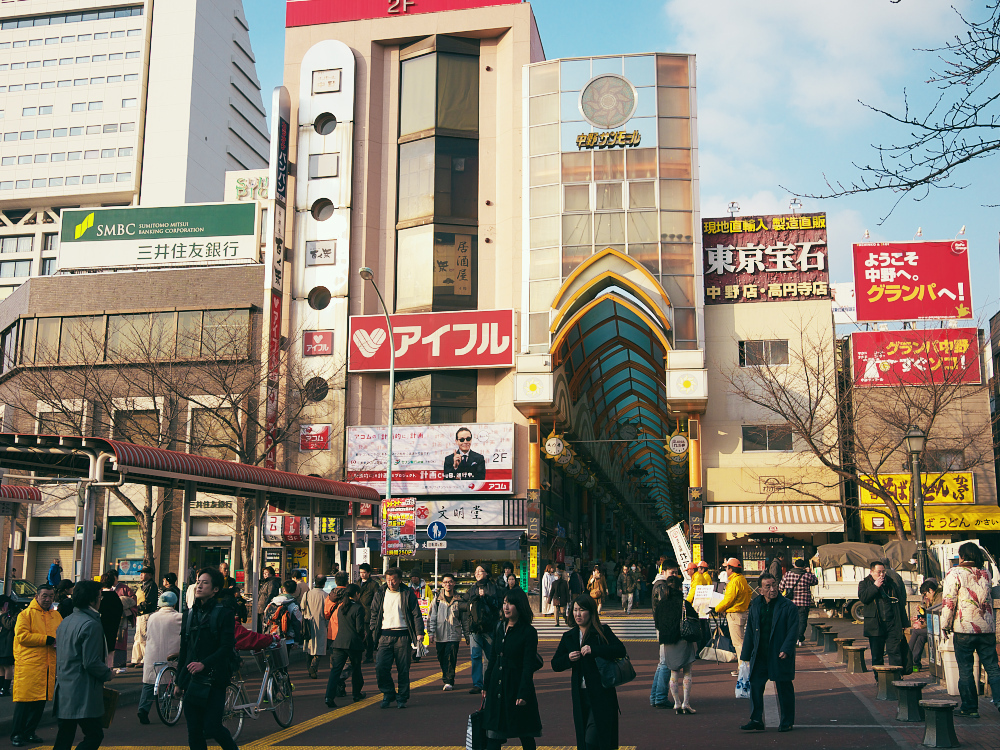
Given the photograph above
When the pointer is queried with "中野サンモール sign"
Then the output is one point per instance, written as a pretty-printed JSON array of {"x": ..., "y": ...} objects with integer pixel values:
[
  {"x": 174, "y": 235},
  {"x": 940, "y": 355}
]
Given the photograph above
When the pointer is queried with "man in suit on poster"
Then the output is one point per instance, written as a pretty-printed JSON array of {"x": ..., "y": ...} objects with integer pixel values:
[{"x": 464, "y": 463}]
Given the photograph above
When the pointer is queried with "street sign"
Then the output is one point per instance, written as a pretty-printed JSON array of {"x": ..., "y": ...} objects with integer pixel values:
[
  {"x": 436, "y": 530},
  {"x": 436, "y": 545}
]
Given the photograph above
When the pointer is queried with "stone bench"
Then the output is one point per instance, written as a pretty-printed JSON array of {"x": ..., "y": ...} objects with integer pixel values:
[
  {"x": 841, "y": 642},
  {"x": 855, "y": 659},
  {"x": 829, "y": 644},
  {"x": 817, "y": 628},
  {"x": 885, "y": 675},
  {"x": 910, "y": 694},
  {"x": 940, "y": 723}
]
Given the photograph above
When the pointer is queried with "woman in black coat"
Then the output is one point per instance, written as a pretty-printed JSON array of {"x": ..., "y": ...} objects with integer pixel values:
[
  {"x": 8, "y": 619},
  {"x": 676, "y": 653},
  {"x": 595, "y": 707},
  {"x": 111, "y": 611},
  {"x": 511, "y": 707}
]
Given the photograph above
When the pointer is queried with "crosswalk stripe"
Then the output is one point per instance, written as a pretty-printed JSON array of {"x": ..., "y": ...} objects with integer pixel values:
[{"x": 639, "y": 629}]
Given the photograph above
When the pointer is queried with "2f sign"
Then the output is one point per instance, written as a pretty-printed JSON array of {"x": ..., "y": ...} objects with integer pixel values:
[{"x": 400, "y": 6}]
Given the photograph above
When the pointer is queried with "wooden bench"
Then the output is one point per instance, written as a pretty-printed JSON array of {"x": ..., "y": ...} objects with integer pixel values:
[
  {"x": 855, "y": 659},
  {"x": 841, "y": 642},
  {"x": 910, "y": 694},
  {"x": 829, "y": 645},
  {"x": 885, "y": 675},
  {"x": 940, "y": 723}
]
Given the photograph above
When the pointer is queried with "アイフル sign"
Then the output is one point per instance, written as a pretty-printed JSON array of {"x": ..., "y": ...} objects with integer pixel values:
[
  {"x": 317, "y": 343},
  {"x": 914, "y": 357}
]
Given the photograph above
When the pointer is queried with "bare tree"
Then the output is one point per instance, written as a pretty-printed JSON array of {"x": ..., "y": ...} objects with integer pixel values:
[{"x": 853, "y": 434}]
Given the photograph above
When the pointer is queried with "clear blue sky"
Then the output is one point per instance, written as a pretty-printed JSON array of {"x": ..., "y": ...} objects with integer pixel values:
[{"x": 778, "y": 90}]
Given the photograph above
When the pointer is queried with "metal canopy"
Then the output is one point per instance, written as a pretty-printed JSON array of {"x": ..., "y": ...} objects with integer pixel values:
[{"x": 14, "y": 493}]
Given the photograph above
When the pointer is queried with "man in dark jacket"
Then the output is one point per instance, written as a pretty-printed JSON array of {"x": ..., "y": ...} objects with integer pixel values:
[
  {"x": 369, "y": 586},
  {"x": 268, "y": 588},
  {"x": 348, "y": 644},
  {"x": 769, "y": 646},
  {"x": 883, "y": 624},
  {"x": 478, "y": 634},
  {"x": 55, "y": 573},
  {"x": 208, "y": 645},
  {"x": 396, "y": 625},
  {"x": 147, "y": 596}
]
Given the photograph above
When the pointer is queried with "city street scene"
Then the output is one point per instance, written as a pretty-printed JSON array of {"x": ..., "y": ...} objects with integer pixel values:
[{"x": 442, "y": 374}]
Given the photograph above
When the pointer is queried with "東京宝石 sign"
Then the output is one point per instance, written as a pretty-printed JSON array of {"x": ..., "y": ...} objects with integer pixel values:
[
  {"x": 193, "y": 235},
  {"x": 912, "y": 280},
  {"x": 915, "y": 357},
  {"x": 765, "y": 259}
]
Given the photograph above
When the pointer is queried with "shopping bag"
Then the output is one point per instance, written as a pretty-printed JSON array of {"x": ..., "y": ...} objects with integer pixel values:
[
  {"x": 110, "y": 704},
  {"x": 475, "y": 733},
  {"x": 713, "y": 653},
  {"x": 743, "y": 681}
]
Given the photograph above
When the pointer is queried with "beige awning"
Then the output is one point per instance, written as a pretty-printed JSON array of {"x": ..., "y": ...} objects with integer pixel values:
[{"x": 773, "y": 517}]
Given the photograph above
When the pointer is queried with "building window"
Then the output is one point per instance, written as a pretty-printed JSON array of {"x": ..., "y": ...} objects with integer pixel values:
[
  {"x": 440, "y": 268},
  {"x": 940, "y": 461},
  {"x": 756, "y": 353},
  {"x": 79, "y": 107},
  {"x": 128, "y": 103},
  {"x": 141, "y": 427},
  {"x": 12, "y": 269},
  {"x": 48, "y": 266},
  {"x": 50, "y": 243},
  {"x": 766, "y": 438},
  {"x": 436, "y": 398},
  {"x": 323, "y": 165},
  {"x": 94, "y": 106},
  {"x": 213, "y": 433}
]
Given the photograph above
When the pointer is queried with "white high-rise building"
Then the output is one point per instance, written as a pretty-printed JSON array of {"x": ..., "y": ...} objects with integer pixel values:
[{"x": 118, "y": 103}]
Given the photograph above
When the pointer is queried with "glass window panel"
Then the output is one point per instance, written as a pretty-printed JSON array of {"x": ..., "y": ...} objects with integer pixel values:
[
  {"x": 777, "y": 352},
  {"x": 543, "y": 109},
  {"x": 675, "y": 163},
  {"x": 576, "y": 167},
  {"x": 641, "y": 226},
  {"x": 673, "y": 102},
  {"x": 675, "y": 132},
  {"x": 456, "y": 191},
  {"x": 189, "y": 333},
  {"x": 544, "y": 231},
  {"x": 544, "y": 264},
  {"x": 607, "y": 65},
  {"x": 82, "y": 339},
  {"x": 543, "y": 139},
  {"x": 577, "y": 198},
  {"x": 538, "y": 328},
  {"x": 574, "y": 255},
  {"x": 541, "y": 294},
  {"x": 543, "y": 79},
  {"x": 416, "y": 179},
  {"x": 225, "y": 334},
  {"x": 642, "y": 195},
  {"x": 577, "y": 229},
  {"x": 609, "y": 229},
  {"x": 458, "y": 92},
  {"x": 412, "y": 415},
  {"x": 573, "y": 74},
  {"x": 671, "y": 70},
  {"x": 609, "y": 196},
  {"x": 569, "y": 132},
  {"x": 641, "y": 70},
  {"x": 676, "y": 226},
  {"x": 139, "y": 427},
  {"x": 28, "y": 342},
  {"x": 47, "y": 347},
  {"x": 543, "y": 170},
  {"x": 648, "y": 254},
  {"x": 543, "y": 200},
  {"x": 141, "y": 336},
  {"x": 641, "y": 164},
  {"x": 609, "y": 165},
  {"x": 415, "y": 268},
  {"x": 679, "y": 289},
  {"x": 213, "y": 434},
  {"x": 779, "y": 439},
  {"x": 676, "y": 195},
  {"x": 417, "y": 94},
  {"x": 685, "y": 324},
  {"x": 754, "y": 438},
  {"x": 413, "y": 390},
  {"x": 751, "y": 353},
  {"x": 645, "y": 103},
  {"x": 569, "y": 109}
]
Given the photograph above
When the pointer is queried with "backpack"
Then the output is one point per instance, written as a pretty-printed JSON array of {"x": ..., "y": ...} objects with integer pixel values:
[
  {"x": 483, "y": 615},
  {"x": 282, "y": 623},
  {"x": 233, "y": 661}
]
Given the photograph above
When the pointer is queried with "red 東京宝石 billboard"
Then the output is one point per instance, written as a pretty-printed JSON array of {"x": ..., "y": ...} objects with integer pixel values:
[
  {"x": 912, "y": 280},
  {"x": 885, "y": 358},
  {"x": 431, "y": 341},
  {"x": 309, "y": 12}
]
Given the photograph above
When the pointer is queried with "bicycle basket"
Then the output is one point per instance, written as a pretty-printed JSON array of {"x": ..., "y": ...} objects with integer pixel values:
[{"x": 277, "y": 655}]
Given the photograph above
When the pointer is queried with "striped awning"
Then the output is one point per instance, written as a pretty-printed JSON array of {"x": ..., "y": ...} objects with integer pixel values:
[
  {"x": 19, "y": 494},
  {"x": 773, "y": 517}
]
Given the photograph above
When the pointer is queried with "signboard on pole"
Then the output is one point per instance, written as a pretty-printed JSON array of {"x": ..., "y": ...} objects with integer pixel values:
[
  {"x": 682, "y": 552},
  {"x": 399, "y": 527},
  {"x": 939, "y": 355}
]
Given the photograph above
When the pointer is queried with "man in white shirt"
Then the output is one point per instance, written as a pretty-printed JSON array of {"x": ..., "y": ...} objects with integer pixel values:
[{"x": 396, "y": 624}]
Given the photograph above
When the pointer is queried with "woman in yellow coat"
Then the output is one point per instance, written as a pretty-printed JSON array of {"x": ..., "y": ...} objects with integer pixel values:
[{"x": 34, "y": 665}]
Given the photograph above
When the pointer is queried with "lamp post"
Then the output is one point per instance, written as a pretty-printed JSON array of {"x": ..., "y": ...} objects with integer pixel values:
[
  {"x": 367, "y": 275},
  {"x": 915, "y": 440}
]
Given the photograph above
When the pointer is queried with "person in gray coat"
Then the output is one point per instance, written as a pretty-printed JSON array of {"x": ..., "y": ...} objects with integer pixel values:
[{"x": 81, "y": 671}]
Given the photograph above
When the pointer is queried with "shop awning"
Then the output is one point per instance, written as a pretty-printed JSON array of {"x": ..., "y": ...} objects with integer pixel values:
[
  {"x": 773, "y": 517},
  {"x": 488, "y": 539}
]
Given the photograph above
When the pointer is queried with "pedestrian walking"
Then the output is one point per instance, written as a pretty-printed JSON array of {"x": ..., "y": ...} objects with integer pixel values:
[
  {"x": 282, "y": 617},
  {"x": 55, "y": 573},
  {"x": 146, "y": 597},
  {"x": 559, "y": 594},
  {"x": 369, "y": 587},
  {"x": 769, "y": 646},
  {"x": 169, "y": 583},
  {"x": 597, "y": 586},
  {"x": 8, "y": 620},
  {"x": 316, "y": 623},
  {"x": 163, "y": 638},
  {"x": 35, "y": 665},
  {"x": 64, "y": 598},
  {"x": 778, "y": 567},
  {"x": 205, "y": 664},
  {"x": 301, "y": 587},
  {"x": 81, "y": 671},
  {"x": 796, "y": 584},
  {"x": 509, "y": 700},
  {"x": 676, "y": 653},
  {"x": 595, "y": 707},
  {"x": 481, "y": 614},
  {"x": 111, "y": 612},
  {"x": 444, "y": 625},
  {"x": 735, "y": 604},
  {"x": 348, "y": 644},
  {"x": 548, "y": 578},
  {"x": 630, "y": 587},
  {"x": 930, "y": 596},
  {"x": 968, "y": 613},
  {"x": 268, "y": 588},
  {"x": 396, "y": 625},
  {"x": 883, "y": 624}
]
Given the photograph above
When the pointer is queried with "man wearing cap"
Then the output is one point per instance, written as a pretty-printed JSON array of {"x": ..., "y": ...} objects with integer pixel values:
[
  {"x": 145, "y": 599},
  {"x": 735, "y": 603},
  {"x": 699, "y": 577},
  {"x": 163, "y": 639}
]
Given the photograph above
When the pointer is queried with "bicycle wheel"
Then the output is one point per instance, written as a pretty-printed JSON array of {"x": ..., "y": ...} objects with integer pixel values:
[
  {"x": 168, "y": 707},
  {"x": 279, "y": 690},
  {"x": 232, "y": 719}
]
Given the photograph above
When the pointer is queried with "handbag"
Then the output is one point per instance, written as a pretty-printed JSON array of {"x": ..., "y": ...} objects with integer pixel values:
[
  {"x": 475, "y": 733},
  {"x": 615, "y": 672},
  {"x": 690, "y": 628},
  {"x": 743, "y": 681},
  {"x": 110, "y": 704}
]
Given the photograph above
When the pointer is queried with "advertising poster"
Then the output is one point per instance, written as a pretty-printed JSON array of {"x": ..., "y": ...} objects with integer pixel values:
[
  {"x": 399, "y": 528},
  {"x": 941, "y": 355},
  {"x": 953, "y": 487},
  {"x": 765, "y": 259},
  {"x": 445, "y": 459},
  {"x": 314, "y": 437},
  {"x": 912, "y": 280}
]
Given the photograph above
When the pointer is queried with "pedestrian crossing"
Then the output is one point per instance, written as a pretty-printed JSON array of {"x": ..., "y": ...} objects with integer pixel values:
[{"x": 627, "y": 628}]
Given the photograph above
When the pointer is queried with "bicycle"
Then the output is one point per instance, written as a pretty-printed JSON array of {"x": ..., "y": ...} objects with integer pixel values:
[
  {"x": 275, "y": 689},
  {"x": 168, "y": 706}
]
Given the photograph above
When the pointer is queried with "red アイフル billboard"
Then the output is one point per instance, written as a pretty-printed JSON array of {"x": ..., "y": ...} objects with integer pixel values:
[
  {"x": 885, "y": 358},
  {"x": 912, "y": 280},
  {"x": 430, "y": 341}
]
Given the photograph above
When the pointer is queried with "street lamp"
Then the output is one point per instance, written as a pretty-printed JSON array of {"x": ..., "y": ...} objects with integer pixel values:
[
  {"x": 916, "y": 440},
  {"x": 367, "y": 275}
]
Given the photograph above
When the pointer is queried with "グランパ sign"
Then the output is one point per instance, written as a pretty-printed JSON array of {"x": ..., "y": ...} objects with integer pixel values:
[
  {"x": 765, "y": 259},
  {"x": 886, "y": 358},
  {"x": 177, "y": 235}
]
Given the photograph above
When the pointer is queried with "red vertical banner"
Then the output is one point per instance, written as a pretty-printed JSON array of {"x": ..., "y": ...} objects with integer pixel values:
[{"x": 273, "y": 367}]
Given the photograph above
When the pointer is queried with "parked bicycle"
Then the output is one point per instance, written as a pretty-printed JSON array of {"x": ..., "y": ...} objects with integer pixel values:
[
  {"x": 168, "y": 706},
  {"x": 275, "y": 694}
]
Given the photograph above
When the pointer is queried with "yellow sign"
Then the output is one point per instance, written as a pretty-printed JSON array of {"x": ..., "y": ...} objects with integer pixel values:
[
  {"x": 299, "y": 557},
  {"x": 757, "y": 224},
  {"x": 696, "y": 553},
  {"x": 941, "y": 518},
  {"x": 533, "y": 561},
  {"x": 954, "y": 487},
  {"x": 608, "y": 140}
]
